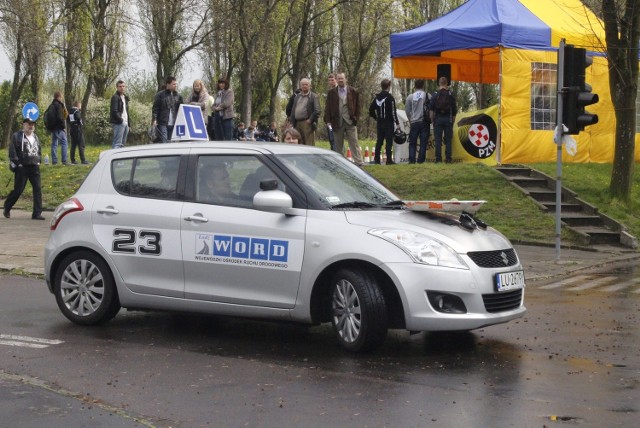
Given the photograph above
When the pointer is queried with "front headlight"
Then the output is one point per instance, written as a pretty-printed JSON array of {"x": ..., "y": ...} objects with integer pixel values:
[{"x": 422, "y": 248}]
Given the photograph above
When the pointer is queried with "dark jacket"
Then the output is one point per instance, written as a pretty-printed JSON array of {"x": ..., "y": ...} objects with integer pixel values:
[
  {"x": 383, "y": 108},
  {"x": 61, "y": 115},
  {"x": 313, "y": 109},
  {"x": 164, "y": 102},
  {"x": 332, "y": 109},
  {"x": 452, "y": 111},
  {"x": 75, "y": 118},
  {"x": 21, "y": 154},
  {"x": 117, "y": 108}
]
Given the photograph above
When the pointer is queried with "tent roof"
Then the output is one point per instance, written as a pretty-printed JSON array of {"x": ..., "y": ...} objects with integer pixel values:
[{"x": 475, "y": 24}]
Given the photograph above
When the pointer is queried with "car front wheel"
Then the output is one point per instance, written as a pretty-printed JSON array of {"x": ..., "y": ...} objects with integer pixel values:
[
  {"x": 358, "y": 310},
  {"x": 85, "y": 290}
]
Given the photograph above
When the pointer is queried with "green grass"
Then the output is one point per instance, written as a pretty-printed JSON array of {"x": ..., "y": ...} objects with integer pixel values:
[{"x": 506, "y": 209}]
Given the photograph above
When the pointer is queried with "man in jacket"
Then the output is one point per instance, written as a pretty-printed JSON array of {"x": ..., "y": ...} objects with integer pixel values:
[
  {"x": 58, "y": 129},
  {"x": 342, "y": 113},
  {"x": 25, "y": 152},
  {"x": 75, "y": 133},
  {"x": 383, "y": 110},
  {"x": 119, "y": 116},
  {"x": 165, "y": 109},
  {"x": 443, "y": 113},
  {"x": 305, "y": 112}
]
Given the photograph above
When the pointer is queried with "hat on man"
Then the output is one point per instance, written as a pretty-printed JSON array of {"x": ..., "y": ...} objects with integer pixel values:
[{"x": 28, "y": 119}]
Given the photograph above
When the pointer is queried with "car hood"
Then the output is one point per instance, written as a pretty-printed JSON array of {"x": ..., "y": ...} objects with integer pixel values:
[{"x": 445, "y": 228}]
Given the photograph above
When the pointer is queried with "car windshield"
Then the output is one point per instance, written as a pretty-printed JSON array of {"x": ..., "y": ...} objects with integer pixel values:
[{"x": 338, "y": 184}]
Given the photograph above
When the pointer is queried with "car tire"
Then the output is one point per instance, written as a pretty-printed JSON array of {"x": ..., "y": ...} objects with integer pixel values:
[
  {"x": 358, "y": 310},
  {"x": 85, "y": 290}
]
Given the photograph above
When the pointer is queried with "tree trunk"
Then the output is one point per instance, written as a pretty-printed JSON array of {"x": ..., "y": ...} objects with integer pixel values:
[
  {"x": 16, "y": 91},
  {"x": 245, "y": 79},
  {"x": 623, "y": 161}
]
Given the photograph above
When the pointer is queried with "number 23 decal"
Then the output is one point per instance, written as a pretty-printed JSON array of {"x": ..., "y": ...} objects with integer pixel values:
[{"x": 125, "y": 242}]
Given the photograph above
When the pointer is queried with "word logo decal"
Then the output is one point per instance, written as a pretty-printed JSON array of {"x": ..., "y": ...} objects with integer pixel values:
[{"x": 242, "y": 250}]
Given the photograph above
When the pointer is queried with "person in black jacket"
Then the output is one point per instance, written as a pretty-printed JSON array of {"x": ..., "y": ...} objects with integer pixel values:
[
  {"x": 24, "y": 160},
  {"x": 58, "y": 131},
  {"x": 383, "y": 110},
  {"x": 75, "y": 133},
  {"x": 119, "y": 116},
  {"x": 165, "y": 109}
]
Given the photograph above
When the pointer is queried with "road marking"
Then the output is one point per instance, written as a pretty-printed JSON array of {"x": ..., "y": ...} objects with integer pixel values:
[
  {"x": 594, "y": 283},
  {"x": 27, "y": 341},
  {"x": 566, "y": 282},
  {"x": 622, "y": 285}
]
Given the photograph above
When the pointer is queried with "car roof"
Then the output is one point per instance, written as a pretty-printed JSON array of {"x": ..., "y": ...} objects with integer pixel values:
[{"x": 263, "y": 147}]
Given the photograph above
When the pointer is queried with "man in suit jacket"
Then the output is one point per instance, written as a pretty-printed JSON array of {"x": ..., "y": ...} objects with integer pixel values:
[{"x": 342, "y": 113}]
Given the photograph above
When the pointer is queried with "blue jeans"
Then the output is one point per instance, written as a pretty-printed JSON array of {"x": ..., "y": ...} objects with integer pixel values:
[
  {"x": 165, "y": 133},
  {"x": 223, "y": 128},
  {"x": 58, "y": 137},
  {"x": 120, "y": 133},
  {"x": 418, "y": 129},
  {"x": 443, "y": 129}
]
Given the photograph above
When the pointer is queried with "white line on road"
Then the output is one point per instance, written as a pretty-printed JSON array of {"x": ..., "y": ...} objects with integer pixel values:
[
  {"x": 27, "y": 341},
  {"x": 622, "y": 285},
  {"x": 31, "y": 339},
  {"x": 594, "y": 283},
  {"x": 22, "y": 344},
  {"x": 566, "y": 282}
]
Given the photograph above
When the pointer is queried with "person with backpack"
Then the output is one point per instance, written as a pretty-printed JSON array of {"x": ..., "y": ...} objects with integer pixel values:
[
  {"x": 75, "y": 133},
  {"x": 383, "y": 110},
  {"x": 443, "y": 112},
  {"x": 55, "y": 119},
  {"x": 415, "y": 108},
  {"x": 25, "y": 153}
]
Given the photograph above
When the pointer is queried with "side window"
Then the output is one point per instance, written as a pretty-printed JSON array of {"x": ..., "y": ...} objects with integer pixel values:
[
  {"x": 544, "y": 84},
  {"x": 150, "y": 177},
  {"x": 230, "y": 180}
]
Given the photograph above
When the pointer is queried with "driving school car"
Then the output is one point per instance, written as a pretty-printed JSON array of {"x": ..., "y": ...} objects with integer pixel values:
[{"x": 273, "y": 231}]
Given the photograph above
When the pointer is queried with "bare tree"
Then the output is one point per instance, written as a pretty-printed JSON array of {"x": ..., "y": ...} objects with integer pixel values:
[
  {"x": 172, "y": 28},
  {"x": 622, "y": 31}
]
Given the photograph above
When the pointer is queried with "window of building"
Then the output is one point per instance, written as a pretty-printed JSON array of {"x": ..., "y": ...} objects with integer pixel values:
[{"x": 544, "y": 82}]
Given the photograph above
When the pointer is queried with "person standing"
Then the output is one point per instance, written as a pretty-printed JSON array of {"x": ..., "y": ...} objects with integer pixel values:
[
  {"x": 383, "y": 110},
  {"x": 331, "y": 83},
  {"x": 165, "y": 109},
  {"x": 305, "y": 112},
  {"x": 443, "y": 113},
  {"x": 119, "y": 116},
  {"x": 223, "y": 111},
  {"x": 57, "y": 127},
  {"x": 25, "y": 153},
  {"x": 416, "y": 106},
  {"x": 75, "y": 133},
  {"x": 341, "y": 114}
]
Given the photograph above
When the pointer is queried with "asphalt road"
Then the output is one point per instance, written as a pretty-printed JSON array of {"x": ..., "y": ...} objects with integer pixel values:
[{"x": 573, "y": 359}]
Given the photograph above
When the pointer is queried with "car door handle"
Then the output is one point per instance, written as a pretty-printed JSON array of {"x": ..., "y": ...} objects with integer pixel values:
[
  {"x": 197, "y": 217},
  {"x": 108, "y": 210}
]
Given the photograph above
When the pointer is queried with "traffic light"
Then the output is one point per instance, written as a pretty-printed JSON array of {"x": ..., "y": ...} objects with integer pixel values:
[{"x": 577, "y": 93}]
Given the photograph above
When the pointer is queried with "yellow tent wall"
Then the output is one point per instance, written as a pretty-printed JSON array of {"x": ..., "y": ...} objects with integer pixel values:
[{"x": 521, "y": 144}]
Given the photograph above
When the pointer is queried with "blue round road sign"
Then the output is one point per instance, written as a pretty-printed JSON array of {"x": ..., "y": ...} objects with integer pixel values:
[{"x": 30, "y": 111}]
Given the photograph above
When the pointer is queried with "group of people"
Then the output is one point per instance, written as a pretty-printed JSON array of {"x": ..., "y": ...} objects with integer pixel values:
[{"x": 422, "y": 110}]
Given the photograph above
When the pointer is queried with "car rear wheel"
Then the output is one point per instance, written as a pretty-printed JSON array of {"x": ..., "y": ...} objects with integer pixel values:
[
  {"x": 358, "y": 310},
  {"x": 85, "y": 290}
]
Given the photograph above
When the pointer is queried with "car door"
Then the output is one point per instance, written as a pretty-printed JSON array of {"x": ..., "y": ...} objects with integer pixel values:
[
  {"x": 233, "y": 253},
  {"x": 136, "y": 219}
]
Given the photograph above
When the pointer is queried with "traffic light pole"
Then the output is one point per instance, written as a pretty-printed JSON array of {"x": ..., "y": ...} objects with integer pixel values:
[{"x": 558, "y": 140}]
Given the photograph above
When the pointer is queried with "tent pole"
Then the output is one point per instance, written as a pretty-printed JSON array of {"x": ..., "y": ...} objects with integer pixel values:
[{"x": 499, "y": 138}]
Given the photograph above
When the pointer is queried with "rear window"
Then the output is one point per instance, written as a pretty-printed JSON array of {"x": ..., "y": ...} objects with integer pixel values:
[{"x": 147, "y": 177}]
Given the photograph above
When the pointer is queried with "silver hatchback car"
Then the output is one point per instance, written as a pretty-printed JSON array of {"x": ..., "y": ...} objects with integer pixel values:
[{"x": 273, "y": 231}]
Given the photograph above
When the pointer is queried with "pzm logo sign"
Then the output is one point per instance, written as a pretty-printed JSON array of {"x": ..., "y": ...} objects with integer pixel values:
[{"x": 244, "y": 247}]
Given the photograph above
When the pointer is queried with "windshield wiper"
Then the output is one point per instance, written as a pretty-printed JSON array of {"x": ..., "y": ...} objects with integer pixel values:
[
  {"x": 355, "y": 204},
  {"x": 393, "y": 204}
]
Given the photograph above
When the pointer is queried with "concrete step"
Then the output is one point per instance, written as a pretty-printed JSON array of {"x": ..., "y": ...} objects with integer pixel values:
[
  {"x": 599, "y": 235},
  {"x": 530, "y": 182},
  {"x": 566, "y": 207},
  {"x": 578, "y": 219},
  {"x": 515, "y": 171}
]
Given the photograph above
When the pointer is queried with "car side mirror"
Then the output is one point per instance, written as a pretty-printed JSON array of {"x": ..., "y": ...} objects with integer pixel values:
[{"x": 275, "y": 201}]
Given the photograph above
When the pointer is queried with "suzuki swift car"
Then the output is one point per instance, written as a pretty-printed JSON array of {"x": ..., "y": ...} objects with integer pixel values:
[{"x": 272, "y": 231}]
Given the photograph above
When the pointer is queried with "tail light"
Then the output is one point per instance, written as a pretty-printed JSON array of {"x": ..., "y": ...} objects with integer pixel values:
[{"x": 68, "y": 206}]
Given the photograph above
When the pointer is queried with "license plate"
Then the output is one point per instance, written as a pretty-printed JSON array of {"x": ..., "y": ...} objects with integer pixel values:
[{"x": 509, "y": 280}]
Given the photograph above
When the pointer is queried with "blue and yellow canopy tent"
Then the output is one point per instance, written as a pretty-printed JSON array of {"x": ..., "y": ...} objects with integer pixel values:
[{"x": 514, "y": 43}]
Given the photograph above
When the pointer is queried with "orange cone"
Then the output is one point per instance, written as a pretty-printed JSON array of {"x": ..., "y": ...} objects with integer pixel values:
[
  {"x": 367, "y": 159},
  {"x": 349, "y": 157}
]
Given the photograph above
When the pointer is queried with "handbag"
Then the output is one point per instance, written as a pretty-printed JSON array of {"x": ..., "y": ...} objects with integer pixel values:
[{"x": 154, "y": 134}]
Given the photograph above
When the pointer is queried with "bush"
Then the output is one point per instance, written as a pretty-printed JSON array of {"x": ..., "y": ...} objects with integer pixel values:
[{"x": 97, "y": 128}]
